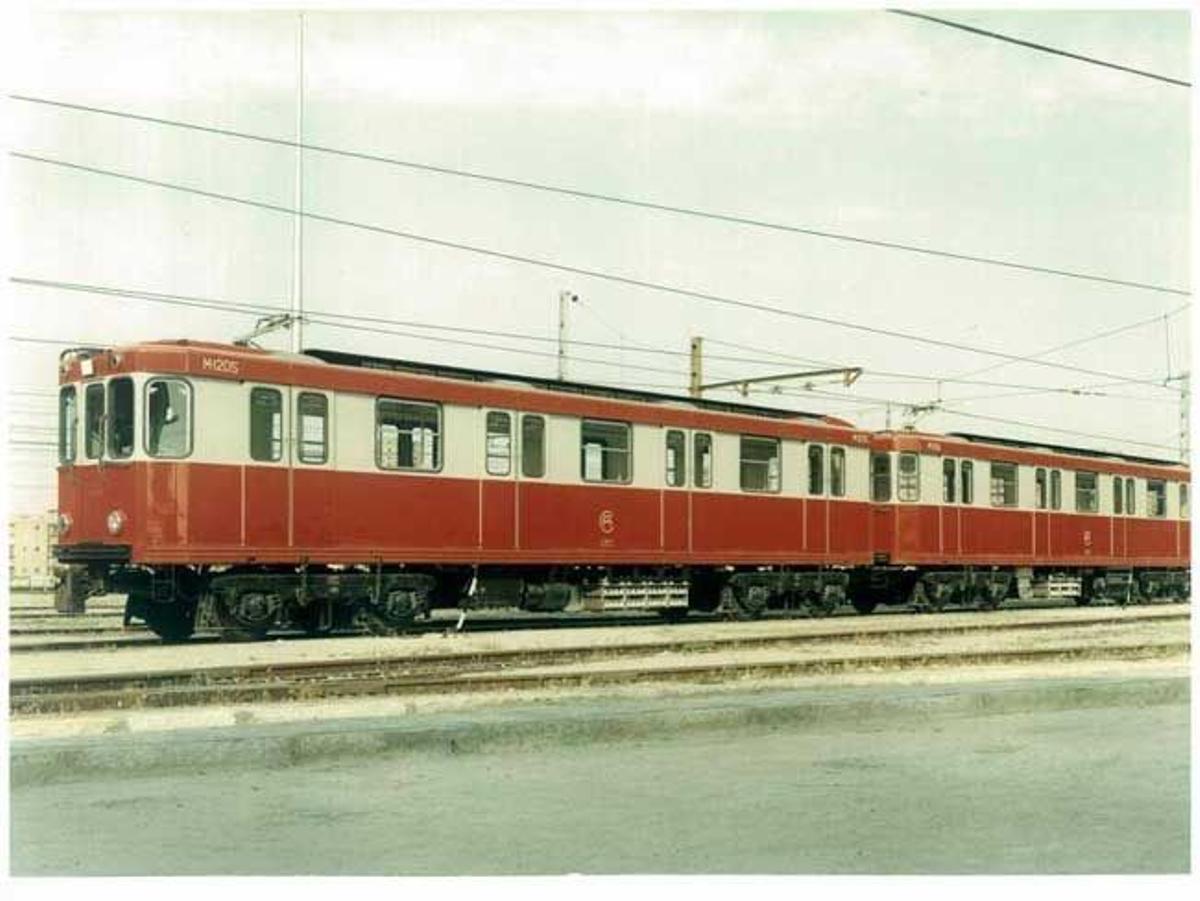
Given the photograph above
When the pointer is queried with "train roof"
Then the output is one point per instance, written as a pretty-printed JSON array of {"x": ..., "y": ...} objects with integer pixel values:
[
  {"x": 1061, "y": 448},
  {"x": 438, "y": 370}
]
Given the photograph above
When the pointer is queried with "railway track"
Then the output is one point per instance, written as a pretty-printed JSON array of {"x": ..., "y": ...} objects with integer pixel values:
[{"x": 1094, "y": 637}]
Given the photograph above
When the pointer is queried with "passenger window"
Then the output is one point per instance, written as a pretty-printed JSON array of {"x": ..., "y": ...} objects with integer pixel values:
[
  {"x": 1004, "y": 484},
  {"x": 499, "y": 444},
  {"x": 881, "y": 478},
  {"x": 266, "y": 424},
  {"x": 1055, "y": 489},
  {"x": 908, "y": 478},
  {"x": 605, "y": 451},
  {"x": 1086, "y": 495},
  {"x": 533, "y": 446},
  {"x": 407, "y": 435},
  {"x": 1184, "y": 510},
  {"x": 816, "y": 469},
  {"x": 837, "y": 471},
  {"x": 759, "y": 463},
  {"x": 968, "y": 481},
  {"x": 68, "y": 424},
  {"x": 168, "y": 418},
  {"x": 948, "y": 469},
  {"x": 312, "y": 420},
  {"x": 120, "y": 418},
  {"x": 1156, "y": 498},
  {"x": 702, "y": 458},
  {"x": 1118, "y": 495},
  {"x": 93, "y": 422},
  {"x": 676, "y": 459},
  {"x": 1130, "y": 497},
  {"x": 1039, "y": 485}
]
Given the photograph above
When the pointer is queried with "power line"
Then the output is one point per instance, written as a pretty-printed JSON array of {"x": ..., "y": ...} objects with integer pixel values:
[
  {"x": 610, "y": 198},
  {"x": 1042, "y": 47},
  {"x": 575, "y": 270}
]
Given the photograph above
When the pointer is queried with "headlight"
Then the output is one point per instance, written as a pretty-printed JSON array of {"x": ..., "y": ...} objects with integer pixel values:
[
  {"x": 115, "y": 522},
  {"x": 64, "y": 523}
]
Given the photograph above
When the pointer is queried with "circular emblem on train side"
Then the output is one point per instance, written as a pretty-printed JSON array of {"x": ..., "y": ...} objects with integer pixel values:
[{"x": 607, "y": 522}]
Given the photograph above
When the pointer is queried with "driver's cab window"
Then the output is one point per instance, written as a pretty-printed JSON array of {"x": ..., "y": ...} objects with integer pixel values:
[{"x": 168, "y": 418}]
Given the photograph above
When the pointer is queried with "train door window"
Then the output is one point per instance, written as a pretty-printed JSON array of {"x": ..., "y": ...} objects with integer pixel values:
[
  {"x": 120, "y": 418},
  {"x": 1156, "y": 498},
  {"x": 702, "y": 460},
  {"x": 908, "y": 478},
  {"x": 68, "y": 423},
  {"x": 816, "y": 469},
  {"x": 93, "y": 421},
  {"x": 312, "y": 426},
  {"x": 407, "y": 435},
  {"x": 1184, "y": 510},
  {"x": 948, "y": 472},
  {"x": 837, "y": 471},
  {"x": 605, "y": 451},
  {"x": 498, "y": 441},
  {"x": 676, "y": 458},
  {"x": 1039, "y": 486},
  {"x": 1087, "y": 498},
  {"x": 168, "y": 418},
  {"x": 1118, "y": 496},
  {"x": 881, "y": 478},
  {"x": 967, "y": 471},
  {"x": 1003, "y": 484},
  {"x": 760, "y": 463},
  {"x": 1130, "y": 496},
  {"x": 266, "y": 424},
  {"x": 1055, "y": 489},
  {"x": 533, "y": 446}
]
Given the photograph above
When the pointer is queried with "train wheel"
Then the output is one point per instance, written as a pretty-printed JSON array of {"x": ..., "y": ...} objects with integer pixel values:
[
  {"x": 248, "y": 615},
  {"x": 864, "y": 605},
  {"x": 744, "y": 603},
  {"x": 393, "y": 613},
  {"x": 171, "y": 622},
  {"x": 922, "y": 600},
  {"x": 823, "y": 602}
]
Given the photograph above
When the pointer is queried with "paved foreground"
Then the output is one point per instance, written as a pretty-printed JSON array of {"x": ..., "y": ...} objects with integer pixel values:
[{"x": 1083, "y": 775}]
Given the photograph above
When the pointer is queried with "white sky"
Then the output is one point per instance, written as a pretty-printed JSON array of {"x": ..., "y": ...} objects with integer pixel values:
[{"x": 856, "y": 121}]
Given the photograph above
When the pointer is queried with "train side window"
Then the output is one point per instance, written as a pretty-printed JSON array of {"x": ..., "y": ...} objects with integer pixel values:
[
  {"x": 881, "y": 478},
  {"x": 312, "y": 425},
  {"x": 1003, "y": 484},
  {"x": 837, "y": 472},
  {"x": 605, "y": 451},
  {"x": 1086, "y": 494},
  {"x": 168, "y": 418},
  {"x": 1039, "y": 485},
  {"x": 1156, "y": 498},
  {"x": 1055, "y": 489},
  {"x": 120, "y": 418},
  {"x": 1130, "y": 496},
  {"x": 967, "y": 471},
  {"x": 702, "y": 460},
  {"x": 948, "y": 472},
  {"x": 676, "y": 458},
  {"x": 407, "y": 435},
  {"x": 68, "y": 424},
  {"x": 908, "y": 478},
  {"x": 266, "y": 424},
  {"x": 498, "y": 441},
  {"x": 1118, "y": 496},
  {"x": 816, "y": 469},
  {"x": 533, "y": 446},
  {"x": 93, "y": 421},
  {"x": 759, "y": 463},
  {"x": 1184, "y": 509}
]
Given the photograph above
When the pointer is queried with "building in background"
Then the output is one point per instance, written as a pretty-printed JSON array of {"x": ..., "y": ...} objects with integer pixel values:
[{"x": 31, "y": 540}]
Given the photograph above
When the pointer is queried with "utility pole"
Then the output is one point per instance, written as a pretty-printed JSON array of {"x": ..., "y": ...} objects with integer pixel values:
[
  {"x": 564, "y": 299},
  {"x": 297, "y": 311},
  {"x": 696, "y": 377}
]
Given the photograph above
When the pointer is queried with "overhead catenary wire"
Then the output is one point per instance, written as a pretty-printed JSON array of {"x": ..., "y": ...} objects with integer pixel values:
[
  {"x": 611, "y": 198},
  {"x": 1044, "y": 48},
  {"x": 702, "y": 296}
]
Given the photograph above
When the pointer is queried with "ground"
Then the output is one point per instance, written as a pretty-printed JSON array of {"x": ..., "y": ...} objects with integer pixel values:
[{"x": 1087, "y": 779}]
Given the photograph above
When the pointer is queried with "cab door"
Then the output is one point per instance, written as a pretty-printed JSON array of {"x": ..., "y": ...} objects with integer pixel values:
[
  {"x": 883, "y": 508},
  {"x": 498, "y": 482},
  {"x": 312, "y": 469}
]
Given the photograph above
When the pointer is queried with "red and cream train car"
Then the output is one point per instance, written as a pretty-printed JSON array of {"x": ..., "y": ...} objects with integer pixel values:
[{"x": 265, "y": 488}]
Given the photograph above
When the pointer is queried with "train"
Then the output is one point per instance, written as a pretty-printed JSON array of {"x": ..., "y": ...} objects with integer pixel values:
[{"x": 248, "y": 490}]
